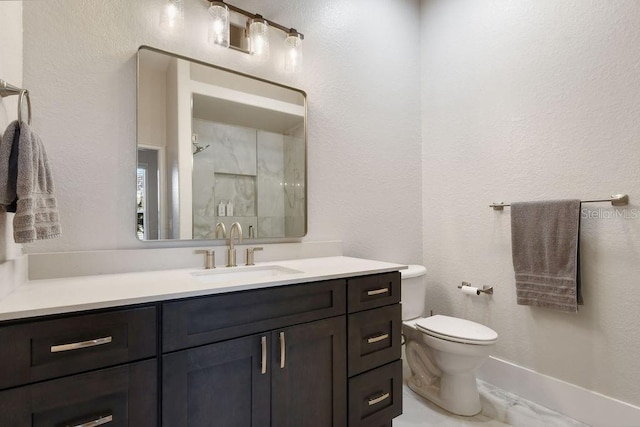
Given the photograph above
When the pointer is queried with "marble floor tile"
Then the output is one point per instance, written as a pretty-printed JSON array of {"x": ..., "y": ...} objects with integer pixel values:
[{"x": 499, "y": 409}]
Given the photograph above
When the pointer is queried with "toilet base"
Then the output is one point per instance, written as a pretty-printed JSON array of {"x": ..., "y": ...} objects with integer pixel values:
[{"x": 457, "y": 394}]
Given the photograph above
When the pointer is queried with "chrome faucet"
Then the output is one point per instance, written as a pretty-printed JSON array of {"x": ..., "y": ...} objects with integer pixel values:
[
  {"x": 231, "y": 252},
  {"x": 220, "y": 227}
]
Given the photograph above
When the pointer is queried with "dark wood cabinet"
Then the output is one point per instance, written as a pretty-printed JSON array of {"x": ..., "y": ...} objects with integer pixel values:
[
  {"x": 120, "y": 396},
  {"x": 220, "y": 384},
  {"x": 374, "y": 338},
  {"x": 309, "y": 375},
  {"x": 196, "y": 321},
  {"x": 375, "y": 397},
  {"x": 294, "y": 377},
  {"x": 320, "y": 354},
  {"x": 375, "y": 368},
  {"x": 52, "y": 348},
  {"x": 93, "y": 368}
]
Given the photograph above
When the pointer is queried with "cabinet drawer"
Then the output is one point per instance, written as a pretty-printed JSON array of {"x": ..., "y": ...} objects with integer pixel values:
[
  {"x": 198, "y": 321},
  {"x": 374, "y": 338},
  {"x": 375, "y": 397},
  {"x": 48, "y": 349},
  {"x": 121, "y": 396},
  {"x": 373, "y": 291}
]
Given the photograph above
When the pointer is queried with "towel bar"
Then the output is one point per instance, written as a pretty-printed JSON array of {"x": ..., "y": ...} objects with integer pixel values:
[
  {"x": 616, "y": 200},
  {"x": 7, "y": 89}
]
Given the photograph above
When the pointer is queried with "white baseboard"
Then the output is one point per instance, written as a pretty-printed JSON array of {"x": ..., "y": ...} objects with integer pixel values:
[{"x": 584, "y": 405}]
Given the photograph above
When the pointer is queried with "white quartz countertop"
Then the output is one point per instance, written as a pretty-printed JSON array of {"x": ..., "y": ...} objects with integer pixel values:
[{"x": 65, "y": 295}]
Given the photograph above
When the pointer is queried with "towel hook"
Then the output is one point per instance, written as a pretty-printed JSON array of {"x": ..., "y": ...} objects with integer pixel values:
[
  {"x": 7, "y": 89},
  {"x": 24, "y": 94}
]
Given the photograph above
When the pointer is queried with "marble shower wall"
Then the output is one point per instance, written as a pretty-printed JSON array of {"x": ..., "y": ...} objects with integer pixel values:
[
  {"x": 243, "y": 166},
  {"x": 270, "y": 184},
  {"x": 294, "y": 182}
]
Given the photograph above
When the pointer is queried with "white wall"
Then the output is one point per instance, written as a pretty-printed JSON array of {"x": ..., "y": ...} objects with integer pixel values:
[
  {"x": 364, "y": 122},
  {"x": 534, "y": 100},
  {"x": 11, "y": 72}
]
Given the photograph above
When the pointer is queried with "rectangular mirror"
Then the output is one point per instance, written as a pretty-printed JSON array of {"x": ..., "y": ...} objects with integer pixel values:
[{"x": 216, "y": 147}]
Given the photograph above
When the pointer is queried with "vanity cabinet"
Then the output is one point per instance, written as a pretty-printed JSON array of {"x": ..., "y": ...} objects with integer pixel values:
[
  {"x": 85, "y": 369},
  {"x": 318, "y": 354},
  {"x": 275, "y": 357},
  {"x": 374, "y": 365},
  {"x": 294, "y": 377},
  {"x": 120, "y": 396}
]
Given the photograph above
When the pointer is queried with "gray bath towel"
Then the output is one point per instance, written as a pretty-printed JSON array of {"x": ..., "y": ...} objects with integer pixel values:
[
  {"x": 36, "y": 215},
  {"x": 546, "y": 252}
]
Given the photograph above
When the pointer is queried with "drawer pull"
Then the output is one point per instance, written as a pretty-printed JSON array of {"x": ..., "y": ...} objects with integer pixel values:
[
  {"x": 97, "y": 422},
  {"x": 78, "y": 345},
  {"x": 378, "y": 399},
  {"x": 263, "y": 363},
  {"x": 283, "y": 350},
  {"x": 378, "y": 291},
  {"x": 379, "y": 338}
]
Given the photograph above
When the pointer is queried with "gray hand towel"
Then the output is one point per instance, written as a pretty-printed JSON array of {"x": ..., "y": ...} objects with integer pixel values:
[
  {"x": 545, "y": 247},
  {"x": 36, "y": 215}
]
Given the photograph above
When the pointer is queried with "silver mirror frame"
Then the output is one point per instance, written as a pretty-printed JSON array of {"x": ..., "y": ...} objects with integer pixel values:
[{"x": 237, "y": 73}]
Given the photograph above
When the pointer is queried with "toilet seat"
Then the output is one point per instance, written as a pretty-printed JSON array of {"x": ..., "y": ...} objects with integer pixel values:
[{"x": 456, "y": 330}]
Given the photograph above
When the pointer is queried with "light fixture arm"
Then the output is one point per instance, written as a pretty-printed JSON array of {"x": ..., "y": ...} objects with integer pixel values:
[{"x": 254, "y": 15}]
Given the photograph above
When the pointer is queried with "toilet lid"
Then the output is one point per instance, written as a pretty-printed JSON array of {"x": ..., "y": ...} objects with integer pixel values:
[{"x": 458, "y": 330}]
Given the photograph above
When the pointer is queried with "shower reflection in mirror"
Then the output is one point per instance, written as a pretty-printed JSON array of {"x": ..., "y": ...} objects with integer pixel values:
[{"x": 217, "y": 147}]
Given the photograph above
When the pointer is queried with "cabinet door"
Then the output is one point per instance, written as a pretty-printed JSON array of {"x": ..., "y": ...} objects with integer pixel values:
[
  {"x": 309, "y": 375},
  {"x": 120, "y": 396},
  {"x": 223, "y": 385}
]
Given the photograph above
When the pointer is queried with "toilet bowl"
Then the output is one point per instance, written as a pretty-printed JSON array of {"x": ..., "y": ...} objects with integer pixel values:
[{"x": 442, "y": 352}]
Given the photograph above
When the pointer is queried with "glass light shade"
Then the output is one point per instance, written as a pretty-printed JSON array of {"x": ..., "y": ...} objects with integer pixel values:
[
  {"x": 259, "y": 38},
  {"x": 172, "y": 15},
  {"x": 293, "y": 53},
  {"x": 219, "y": 25}
]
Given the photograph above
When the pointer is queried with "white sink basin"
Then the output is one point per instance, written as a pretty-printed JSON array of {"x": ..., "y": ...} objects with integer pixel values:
[{"x": 257, "y": 273}]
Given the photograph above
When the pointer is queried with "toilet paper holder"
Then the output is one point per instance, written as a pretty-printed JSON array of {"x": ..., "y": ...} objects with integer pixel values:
[{"x": 485, "y": 289}]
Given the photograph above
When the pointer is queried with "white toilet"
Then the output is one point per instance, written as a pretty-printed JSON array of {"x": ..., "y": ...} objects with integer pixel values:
[{"x": 443, "y": 352}]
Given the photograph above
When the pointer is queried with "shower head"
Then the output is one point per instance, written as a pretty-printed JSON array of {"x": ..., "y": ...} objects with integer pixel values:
[{"x": 198, "y": 148}]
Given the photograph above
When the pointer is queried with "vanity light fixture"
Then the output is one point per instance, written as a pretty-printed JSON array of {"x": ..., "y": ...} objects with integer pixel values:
[
  {"x": 258, "y": 37},
  {"x": 172, "y": 15},
  {"x": 219, "y": 27},
  {"x": 255, "y": 36},
  {"x": 293, "y": 51}
]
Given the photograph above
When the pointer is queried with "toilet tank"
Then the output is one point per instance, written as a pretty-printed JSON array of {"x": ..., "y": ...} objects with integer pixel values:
[{"x": 414, "y": 291}]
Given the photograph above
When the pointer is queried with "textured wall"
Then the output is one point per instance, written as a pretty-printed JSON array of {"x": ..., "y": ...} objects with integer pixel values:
[
  {"x": 364, "y": 122},
  {"x": 534, "y": 100},
  {"x": 11, "y": 72}
]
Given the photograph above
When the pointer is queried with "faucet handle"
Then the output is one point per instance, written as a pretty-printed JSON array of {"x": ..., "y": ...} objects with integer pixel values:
[
  {"x": 210, "y": 260},
  {"x": 250, "y": 255}
]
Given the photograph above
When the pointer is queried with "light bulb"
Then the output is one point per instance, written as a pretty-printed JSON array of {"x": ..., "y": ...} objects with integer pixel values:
[
  {"x": 172, "y": 15},
  {"x": 293, "y": 52},
  {"x": 219, "y": 26},
  {"x": 259, "y": 37}
]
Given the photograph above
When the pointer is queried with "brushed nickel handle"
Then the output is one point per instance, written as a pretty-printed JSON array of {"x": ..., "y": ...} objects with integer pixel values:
[
  {"x": 376, "y": 400},
  {"x": 283, "y": 350},
  {"x": 263, "y": 364},
  {"x": 97, "y": 422},
  {"x": 82, "y": 344},
  {"x": 379, "y": 338},
  {"x": 378, "y": 291}
]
